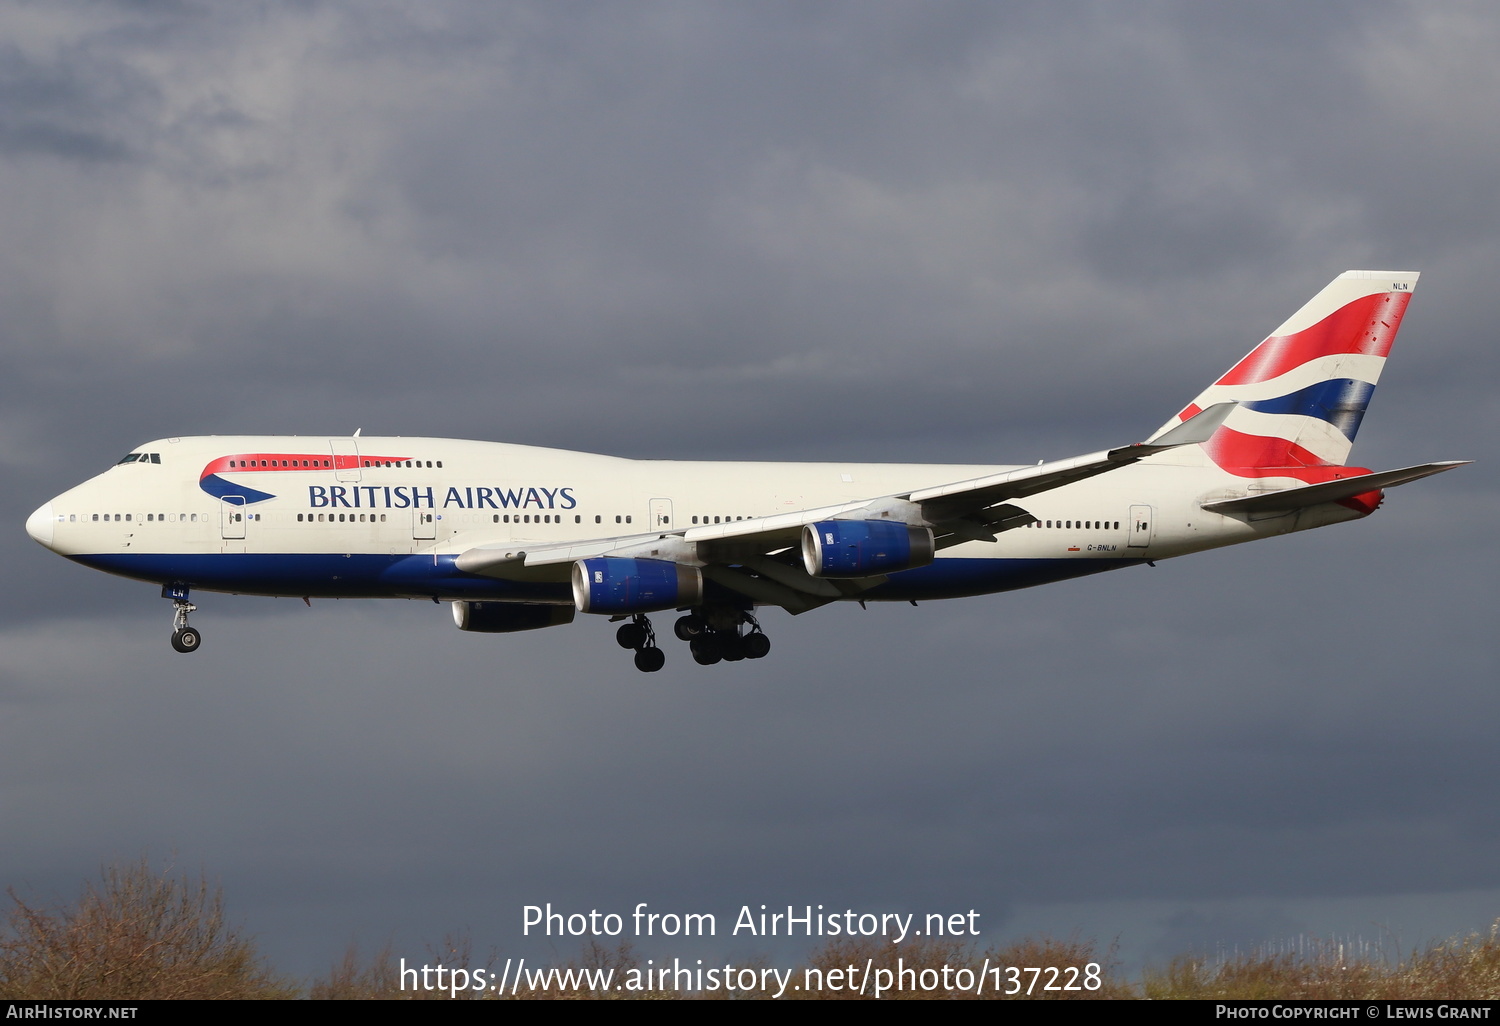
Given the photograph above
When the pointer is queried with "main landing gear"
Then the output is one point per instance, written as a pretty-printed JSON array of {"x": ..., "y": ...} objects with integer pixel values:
[
  {"x": 184, "y": 637},
  {"x": 713, "y": 635},
  {"x": 639, "y": 635}
]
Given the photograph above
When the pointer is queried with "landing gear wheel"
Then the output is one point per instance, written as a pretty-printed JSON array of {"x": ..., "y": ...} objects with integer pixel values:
[
  {"x": 184, "y": 638},
  {"x": 756, "y": 645},
  {"x": 649, "y": 660},
  {"x": 632, "y": 635},
  {"x": 733, "y": 647},
  {"x": 688, "y": 627},
  {"x": 705, "y": 649}
]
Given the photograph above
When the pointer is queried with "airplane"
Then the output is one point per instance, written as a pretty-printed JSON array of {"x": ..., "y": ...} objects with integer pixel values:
[{"x": 520, "y": 538}]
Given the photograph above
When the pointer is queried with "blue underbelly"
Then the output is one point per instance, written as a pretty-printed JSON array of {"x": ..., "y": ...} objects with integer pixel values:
[{"x": 368, "y": 575}]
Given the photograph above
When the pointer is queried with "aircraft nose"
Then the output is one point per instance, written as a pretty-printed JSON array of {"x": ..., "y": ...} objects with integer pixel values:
[{"x": 39, "y": 525}]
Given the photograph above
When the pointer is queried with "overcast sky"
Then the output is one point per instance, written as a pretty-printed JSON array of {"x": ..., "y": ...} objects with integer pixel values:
[{"x": 947, "y": 232}]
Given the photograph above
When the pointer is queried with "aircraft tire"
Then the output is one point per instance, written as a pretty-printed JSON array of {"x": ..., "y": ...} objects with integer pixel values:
[
  {"x": 649, "y": 660},
  {"x": 705, "y": 649},
  {"x": 186, "y": 640},
  {"x": 687, "y": 628},
  {"x": 733, "y": 647},
  {"x": 757, "y": 645},
  {"x": 631, "y": 635}
]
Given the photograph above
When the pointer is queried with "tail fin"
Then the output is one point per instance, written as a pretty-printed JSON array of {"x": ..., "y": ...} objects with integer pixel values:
[{"x": 1303, "y": 391}]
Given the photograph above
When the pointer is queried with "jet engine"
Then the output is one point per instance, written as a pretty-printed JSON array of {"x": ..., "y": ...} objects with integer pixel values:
[
  {"x": 509, "y": 617},
  {"x": 614, "y": 585},
  {"x": 864, "y": 548}
]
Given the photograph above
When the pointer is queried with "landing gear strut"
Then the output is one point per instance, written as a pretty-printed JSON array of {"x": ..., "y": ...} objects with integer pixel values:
[
  {"x": 641, "y": 636},
  {"x": 184, "y": 637}
]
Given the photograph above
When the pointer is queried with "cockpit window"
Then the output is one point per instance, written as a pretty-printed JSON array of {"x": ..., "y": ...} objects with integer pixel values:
[
  {"x": 130, "y": 459},
  {"x": 141, "y": 457}
]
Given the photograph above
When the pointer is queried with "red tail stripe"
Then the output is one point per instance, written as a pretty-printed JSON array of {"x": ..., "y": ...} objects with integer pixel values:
[
  {"x": 1263, "y": 456},
  {"x": 1367, "y": 326}
]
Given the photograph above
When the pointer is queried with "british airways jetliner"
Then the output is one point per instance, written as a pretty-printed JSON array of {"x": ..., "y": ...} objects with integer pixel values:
[{"x": 518, "y": 538}]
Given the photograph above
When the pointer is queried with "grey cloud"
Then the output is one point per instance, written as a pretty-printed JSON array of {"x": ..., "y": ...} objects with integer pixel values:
[{"x": 929, "y": 233}]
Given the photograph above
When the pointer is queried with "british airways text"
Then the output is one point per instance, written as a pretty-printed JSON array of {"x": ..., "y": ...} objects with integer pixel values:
[{"x": 411, "y": 497}]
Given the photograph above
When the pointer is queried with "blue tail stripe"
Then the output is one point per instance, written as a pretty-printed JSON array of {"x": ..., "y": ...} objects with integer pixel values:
[{"x": 1339, "y": 401}]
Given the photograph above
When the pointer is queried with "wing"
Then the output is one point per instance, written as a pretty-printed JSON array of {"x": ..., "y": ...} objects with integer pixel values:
[{"x": 757, "y": 557}]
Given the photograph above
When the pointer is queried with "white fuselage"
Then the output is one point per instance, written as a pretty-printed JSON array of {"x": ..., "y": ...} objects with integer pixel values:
[{"x": 376, "y": 517}]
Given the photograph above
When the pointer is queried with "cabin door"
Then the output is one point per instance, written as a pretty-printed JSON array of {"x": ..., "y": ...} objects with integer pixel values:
[
  {"x": 345, "y": 458},
  {"x": 1141, "y": 519},
  {"x": 232, "y": 516}
]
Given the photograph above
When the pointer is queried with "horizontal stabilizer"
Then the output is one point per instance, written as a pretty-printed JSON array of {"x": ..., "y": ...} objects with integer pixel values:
[{"x": 1302, "y": 497}]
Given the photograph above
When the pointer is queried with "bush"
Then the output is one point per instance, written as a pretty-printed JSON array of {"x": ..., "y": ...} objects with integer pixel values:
[{"x": 133, "y": 935}]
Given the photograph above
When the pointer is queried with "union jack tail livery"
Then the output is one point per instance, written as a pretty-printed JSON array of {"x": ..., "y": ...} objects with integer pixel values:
[{"x": 1302, "y": 392}]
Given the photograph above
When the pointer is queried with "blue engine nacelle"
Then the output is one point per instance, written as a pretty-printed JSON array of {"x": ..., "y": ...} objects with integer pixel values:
[
  {"x": 509, "y": 617},
  {"x": 864, "y": 548},
  {"x": 613, "y": 585}
]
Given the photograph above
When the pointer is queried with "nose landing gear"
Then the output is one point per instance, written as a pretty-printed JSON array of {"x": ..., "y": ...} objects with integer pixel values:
[{"x": 184, "y": 637}]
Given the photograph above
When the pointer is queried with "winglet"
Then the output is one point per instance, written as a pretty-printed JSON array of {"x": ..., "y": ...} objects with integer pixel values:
[{"x": 1198, "y": 428}]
